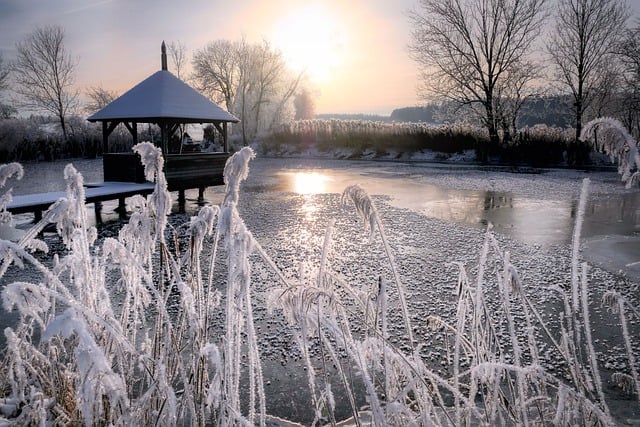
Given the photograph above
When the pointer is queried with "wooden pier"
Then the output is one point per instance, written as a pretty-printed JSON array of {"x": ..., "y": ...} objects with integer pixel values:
[{"x": 95, "y": 193}]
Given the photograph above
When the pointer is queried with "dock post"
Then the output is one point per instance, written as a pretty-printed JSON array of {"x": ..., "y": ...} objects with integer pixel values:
[
  {"x": 122, "y": 208},
  {"x": 201, "y": 196},
  {"x": 181, "y": 201},
  {"x": 97, "y": 207}
]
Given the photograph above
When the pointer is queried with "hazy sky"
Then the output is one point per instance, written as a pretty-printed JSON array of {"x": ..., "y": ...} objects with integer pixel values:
[{"x": 355, "y": 51}]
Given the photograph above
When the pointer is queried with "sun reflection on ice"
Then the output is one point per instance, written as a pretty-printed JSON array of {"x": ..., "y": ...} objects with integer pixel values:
[{"x": 309, "y": 183}]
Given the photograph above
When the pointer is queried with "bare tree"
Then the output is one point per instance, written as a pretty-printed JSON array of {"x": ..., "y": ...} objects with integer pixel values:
[
  {"x": 99, "y": 97},
  {"x": 289, "y": 84},
  {"x": 4, "y": 75},
  {"x": 268, "y": 66},
  {"x": 272, "y": 83},
  {"x": 216, "y": 69},
  {"x": 581, "y": 46},
  {"x": 605, "y": 98},
  {"x": 515, "y": 89},
  {"x": 468, "y": 49},
  {"x": 253, "y": 80},
  {"x": 178, "y": 54},
  {"x": 44, "y": 73},
  {"x": 6, "y": 111},
  {"x": 629, "y": 51}
]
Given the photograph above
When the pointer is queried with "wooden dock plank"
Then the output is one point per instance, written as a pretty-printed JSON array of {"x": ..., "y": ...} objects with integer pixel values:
[{"x": 94, "y": 193}]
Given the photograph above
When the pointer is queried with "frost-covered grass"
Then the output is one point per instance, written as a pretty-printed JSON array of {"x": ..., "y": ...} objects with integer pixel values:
[
  {"x": 610, "y": 136},
  {"x": 151, "y": 328}
]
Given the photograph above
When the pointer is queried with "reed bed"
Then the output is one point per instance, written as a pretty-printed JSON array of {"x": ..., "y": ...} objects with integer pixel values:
[
  {"x": 383, "y": 138},
  {"x": 537, "y": 145}
]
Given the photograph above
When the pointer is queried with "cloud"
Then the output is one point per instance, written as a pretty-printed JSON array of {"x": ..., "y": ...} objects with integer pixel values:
[{"x": 84, "y": 7}]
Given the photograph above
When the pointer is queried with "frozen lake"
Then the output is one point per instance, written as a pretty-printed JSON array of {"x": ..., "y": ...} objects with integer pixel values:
[
  {"x": 534, "y": 208},
  {"x": 434, "y": 214}
]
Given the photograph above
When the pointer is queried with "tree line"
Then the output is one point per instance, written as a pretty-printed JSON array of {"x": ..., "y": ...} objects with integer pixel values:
[{"x": 486, "y": 58}]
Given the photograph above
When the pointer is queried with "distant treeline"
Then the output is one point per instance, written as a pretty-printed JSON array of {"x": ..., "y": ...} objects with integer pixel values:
[
  {"x": 554, "y": 111},
  {"x": 550, "y": 111}
]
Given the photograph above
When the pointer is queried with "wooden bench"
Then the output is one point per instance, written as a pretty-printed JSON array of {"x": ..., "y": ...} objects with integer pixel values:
[
  {"x": 183, "y": 171},
  {"x": 94, "y": 193}
]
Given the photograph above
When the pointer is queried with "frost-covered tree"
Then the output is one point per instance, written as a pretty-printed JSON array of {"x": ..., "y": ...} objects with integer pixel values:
[
  {"x": 4, "y": 74},
  {"x": 6, "y": 111},
  {"x": 582, "y": 45},
  {"x": 215, "y": 70},
  {"x": 304, "y": 105},
  {"x": 253, "y": 80},
  {"x": 44, "y": 73},
  {"x": 468, "y": 49},
  {"x": 178, "y": 53},
  {"x": 273, "y": 83}
]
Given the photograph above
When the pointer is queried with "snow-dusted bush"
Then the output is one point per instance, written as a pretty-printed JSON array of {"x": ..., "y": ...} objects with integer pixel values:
[
  {"x": 38, "y": 138},
  {"x": 609, "y": 136},
  {"x": 123, "y": 332}
]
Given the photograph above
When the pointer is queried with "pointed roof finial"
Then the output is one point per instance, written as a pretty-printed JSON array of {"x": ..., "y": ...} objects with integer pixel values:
[{"x": 163, "y": 57}]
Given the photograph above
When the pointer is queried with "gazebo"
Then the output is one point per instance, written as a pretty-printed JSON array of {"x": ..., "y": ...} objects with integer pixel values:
[{"x": 165, "y": 100}]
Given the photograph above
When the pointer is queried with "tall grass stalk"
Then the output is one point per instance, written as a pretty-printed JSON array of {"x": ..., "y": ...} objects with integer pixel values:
[
  {"x": 124, "y": 332},
  {"x": 616, "y": 304}
]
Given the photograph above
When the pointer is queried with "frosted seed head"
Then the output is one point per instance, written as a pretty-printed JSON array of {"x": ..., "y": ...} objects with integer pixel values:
[
  {"x": 151, "y": 158},
  {"x": 363, "y": 204},
  {"x": 610, "y": 301},
  {"x": 623, "y": 381},
  {"x": 10, "y": 170}
]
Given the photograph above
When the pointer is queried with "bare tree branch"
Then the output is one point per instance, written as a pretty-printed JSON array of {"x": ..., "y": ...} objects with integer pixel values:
[
  {"x": 4, "y": 75},
  {"x": 582, "y": 45},
  {"x": 44, "y": 73},
  {"x": 178, "y": 54},
  {"x": 99, "y": 97},
  {"x": 469, "y": 50},
  {"x": 629, "y": 52},
  {"x": 215, "y": 71}
]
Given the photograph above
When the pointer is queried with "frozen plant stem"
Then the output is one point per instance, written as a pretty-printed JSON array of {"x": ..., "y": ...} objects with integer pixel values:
[
  {"x": 367, "y": 210},
  {"x": 575, "y": 244}
]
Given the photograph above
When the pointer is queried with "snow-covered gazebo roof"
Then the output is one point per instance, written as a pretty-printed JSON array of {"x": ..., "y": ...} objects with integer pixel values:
[
  {"x": 165, "y": 100},
  {"x": 163, "y": 96}
]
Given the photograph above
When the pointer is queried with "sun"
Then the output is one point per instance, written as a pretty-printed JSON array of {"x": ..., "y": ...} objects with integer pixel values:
[{"x": 311, "y": 40}]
